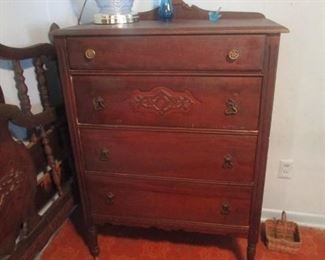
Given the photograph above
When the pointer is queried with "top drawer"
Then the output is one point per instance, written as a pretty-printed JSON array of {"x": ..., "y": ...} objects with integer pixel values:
[{"x": 158, "y": 53}]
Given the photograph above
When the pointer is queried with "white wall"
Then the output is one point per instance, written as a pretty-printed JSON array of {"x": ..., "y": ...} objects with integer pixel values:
[
  {"x": 26, "y": 22},
  {"x": 298, "y": 126}
]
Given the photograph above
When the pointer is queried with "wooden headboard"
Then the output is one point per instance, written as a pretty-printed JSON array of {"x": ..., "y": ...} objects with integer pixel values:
[{"x": 37, "y": 169}]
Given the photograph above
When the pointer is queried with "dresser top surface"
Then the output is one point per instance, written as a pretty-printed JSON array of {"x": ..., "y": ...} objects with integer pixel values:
[{"x": 256, "y": 24}]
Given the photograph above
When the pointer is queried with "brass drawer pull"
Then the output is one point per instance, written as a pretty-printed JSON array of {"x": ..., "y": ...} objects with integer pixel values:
[
  {"x": 104, "y": 154},
  {"x": 90, "y": 54},
  {"x": 109, "y": 197},
  {"x": 98, "y": 103},
  {"x": 225, "y": 209},
  {"x": 228, "y": 161},
  {"x": 231, "y": 107},
  {"x": 233, "y": 54}
]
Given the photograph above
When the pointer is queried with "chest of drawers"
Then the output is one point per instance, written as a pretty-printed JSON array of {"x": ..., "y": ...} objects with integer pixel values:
[{"x": 170, "y": 122}]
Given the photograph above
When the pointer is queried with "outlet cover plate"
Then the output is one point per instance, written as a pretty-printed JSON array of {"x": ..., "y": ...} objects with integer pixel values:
[{"x": 286, "y": 169}]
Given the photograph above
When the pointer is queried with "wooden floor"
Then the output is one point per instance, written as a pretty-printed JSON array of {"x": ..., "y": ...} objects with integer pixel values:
[{"x": 122, "y": 243}]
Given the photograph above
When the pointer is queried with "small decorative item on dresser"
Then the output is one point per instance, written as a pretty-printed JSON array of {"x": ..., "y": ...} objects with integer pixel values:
[
  {"x": 115, "y": 6},
  {"x": 166, "y": 10},
  {"x": 115, "y": 12},
  {"x": 282, "y": 235},
  {"x": 214, "y": 16}
]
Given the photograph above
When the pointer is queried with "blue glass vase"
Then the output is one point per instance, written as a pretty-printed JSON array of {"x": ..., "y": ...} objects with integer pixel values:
[{"x": 166, "y": 10}]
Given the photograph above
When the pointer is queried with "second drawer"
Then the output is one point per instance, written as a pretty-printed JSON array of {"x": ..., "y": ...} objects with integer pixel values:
[
  {"x": 191, "y": 102},
  {"x": 226, "y": 158}
]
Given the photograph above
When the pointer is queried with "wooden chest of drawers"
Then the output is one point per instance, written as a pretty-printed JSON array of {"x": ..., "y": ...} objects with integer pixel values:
[{"x": 170, "y": 122}]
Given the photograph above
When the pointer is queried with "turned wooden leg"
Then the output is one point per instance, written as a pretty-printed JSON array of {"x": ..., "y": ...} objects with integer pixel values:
[
  {"x": 92, "y": 241},
  {"x": 251, "y": 250}
]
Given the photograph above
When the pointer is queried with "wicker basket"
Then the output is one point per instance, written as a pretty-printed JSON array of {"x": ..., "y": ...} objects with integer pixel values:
[{"x": 282, "y": 235}]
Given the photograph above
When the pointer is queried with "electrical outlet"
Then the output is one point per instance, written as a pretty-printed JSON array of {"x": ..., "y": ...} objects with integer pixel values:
[{"x": 286, "y": 169}]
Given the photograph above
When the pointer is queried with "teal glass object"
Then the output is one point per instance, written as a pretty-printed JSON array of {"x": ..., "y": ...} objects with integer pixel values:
[
  {"x": 166, "y": 10},
  {"x": 214, "y": 16}
]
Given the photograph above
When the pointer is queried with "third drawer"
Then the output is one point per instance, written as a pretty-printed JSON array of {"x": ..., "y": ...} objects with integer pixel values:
[{"x": 197, "y": 156}]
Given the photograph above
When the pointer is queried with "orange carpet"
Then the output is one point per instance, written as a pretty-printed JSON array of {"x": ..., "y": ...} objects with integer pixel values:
[{"x": 122, "y": 243}]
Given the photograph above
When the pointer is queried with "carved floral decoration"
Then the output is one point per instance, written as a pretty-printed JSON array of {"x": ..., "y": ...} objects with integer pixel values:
[{"x": 162, "y": 100}]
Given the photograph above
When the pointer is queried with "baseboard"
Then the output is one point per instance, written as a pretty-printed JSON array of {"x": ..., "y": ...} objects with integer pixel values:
[{"x": 303, "y": 219}]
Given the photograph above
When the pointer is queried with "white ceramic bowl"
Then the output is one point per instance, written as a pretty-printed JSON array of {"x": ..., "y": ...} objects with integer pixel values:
[{"x": 115, "y": 6}]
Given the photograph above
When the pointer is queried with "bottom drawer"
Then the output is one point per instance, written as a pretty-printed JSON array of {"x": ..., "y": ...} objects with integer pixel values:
[{"x": 168, "y": 200}]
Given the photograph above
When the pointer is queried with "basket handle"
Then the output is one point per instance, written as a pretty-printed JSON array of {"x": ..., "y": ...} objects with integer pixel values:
[{"x": 283, "y": 216}]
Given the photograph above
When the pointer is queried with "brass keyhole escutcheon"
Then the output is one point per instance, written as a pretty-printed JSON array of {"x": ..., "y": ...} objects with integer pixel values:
[
  {"x": 233, "y": 54},
  {"x": 225, "y": 209},
  {"x": 109, "y": 197},
  {"x": 228, "y": 162},
  {"x": 104, "y": 154},
  {"x": 98, "y": 103},
  {"x": 90, "y": 54},
  {"x": 231, "y": 107}
]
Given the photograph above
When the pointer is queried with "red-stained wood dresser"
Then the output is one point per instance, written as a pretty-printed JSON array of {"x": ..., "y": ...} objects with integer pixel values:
[{"x": 170, "y": 121}]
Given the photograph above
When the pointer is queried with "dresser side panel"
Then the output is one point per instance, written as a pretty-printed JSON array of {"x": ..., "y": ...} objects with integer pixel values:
[{"x": 264, "y": 133}]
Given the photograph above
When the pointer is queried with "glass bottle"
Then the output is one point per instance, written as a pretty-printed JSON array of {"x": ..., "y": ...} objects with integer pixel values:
[{"x": 166, "y": 10}]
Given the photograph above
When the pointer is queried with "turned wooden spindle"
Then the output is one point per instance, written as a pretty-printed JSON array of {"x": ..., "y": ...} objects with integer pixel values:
[
  {"x": 41, "y": 82},
  {"x": 2, "y": 99},
  {"x": 22, "y": 88},
  {"x": 51, "y": 161}
]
